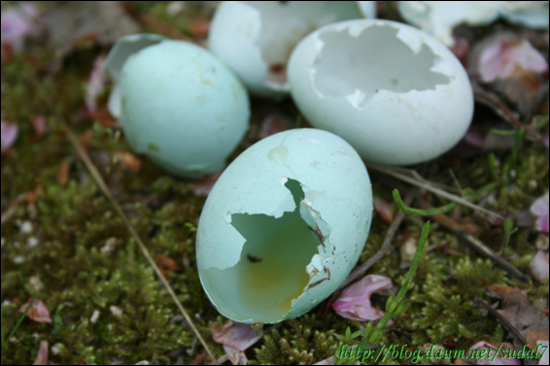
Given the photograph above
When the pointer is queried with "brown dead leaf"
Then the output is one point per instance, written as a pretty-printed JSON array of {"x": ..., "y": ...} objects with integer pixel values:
[
  {"x": 203, "y": 186},
  {"x": 103, "y": 116},
  {"x": 85, "y": 139},
  {"x": 533, "y": 337},
  {"x": 167, "y": 265},
  {"x": 63, "y": 172},
  {"x": 501, "y": 290},
  {"x": 129, "y": 160}
]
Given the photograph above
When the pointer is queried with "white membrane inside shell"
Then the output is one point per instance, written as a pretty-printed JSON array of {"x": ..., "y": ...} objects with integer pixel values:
[{"x": 358, "y": 66}]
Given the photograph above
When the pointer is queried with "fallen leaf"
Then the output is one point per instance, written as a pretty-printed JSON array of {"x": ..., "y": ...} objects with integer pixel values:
[
  {"x": 63, "y": 172},
  {"x": 167, "y": 265},
  {"x": 355, "y": 304},
  {"x": 484, "y": 345},
  {"x": 384, "y": 209},
  {"x": 539, "y": 208},
  {"x": 9, "y": 135},
  {"x": 533, "y": 338},
  {"x": 42, "y": 356},
  {"x": 39, "y": 313},
  {"x": 523, "y": 316},
  {"x": 539, "y": 266},
  {"x": 129, "y": 160},
  {"x": 203, "y": 186},
  {"x": 236, "y": 338},
  {"x": 501, "y": 290}
]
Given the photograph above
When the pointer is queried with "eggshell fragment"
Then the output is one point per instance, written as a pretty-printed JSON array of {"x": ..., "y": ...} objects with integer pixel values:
[
  {"x": 182, "y": 107},
  {"x": 397, "y": 95},
  {"x": 255, "y": 38},
  {"x": 119, "y": 54},
  {"x": 283, "y": 226}
]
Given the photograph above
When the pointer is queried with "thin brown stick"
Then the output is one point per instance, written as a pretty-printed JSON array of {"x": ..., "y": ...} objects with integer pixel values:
[
  {"x": 501, "y": 319},
  {"x": 485, "y": 251},
  {"x": 386, "y": 245},
  {"x": 12, "y": 208},
  {"x": 106, "y": 191},
  {"x": 427, "y": 186}
]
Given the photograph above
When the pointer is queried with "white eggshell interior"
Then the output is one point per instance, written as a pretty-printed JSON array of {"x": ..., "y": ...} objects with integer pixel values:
[
  {"x": 182, "y": 107},
  {"x": 283, "y": 226},
  {"x": 394, "y": 93},
  {"x": 255, "y": 38}
]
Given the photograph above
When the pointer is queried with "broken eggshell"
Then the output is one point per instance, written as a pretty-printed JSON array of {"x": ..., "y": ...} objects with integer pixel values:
[
  {"x": 283, "y": 226},
  {"x": 117, "y": 57},
  {"x": 396, "y": 94},
  {"x": 255, "y": 38},
  {"x": 438, "y": 18},
  {"x": 182, "y": 107}
]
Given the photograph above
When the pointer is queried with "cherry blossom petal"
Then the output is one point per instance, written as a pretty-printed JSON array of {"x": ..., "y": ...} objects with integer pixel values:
[
  {"x": 488, "y": 360},
  {"x": 42, "y": 356},
  {"x": 39, "y": 312},
  {"x": 15, "y": 25},
  {"x": 96, "y": 84},
  {"x": 540, "y": 210},
  {"x": 354, "y": 303},
  {"x": 236, "y": 338},
  {"x": 9, "y": 135},
  {"x": 539, "y": 266},
  {"x": 505, "y": 56}
]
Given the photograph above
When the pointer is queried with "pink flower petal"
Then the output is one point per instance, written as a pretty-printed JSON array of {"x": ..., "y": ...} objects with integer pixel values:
[
  {"x": 504, "y": 56},
  {"x": 9, "y": 135},
  {"x": 39, "y": 312},
  {"x": 39, "y": 124},
  {"x": 16, "y": 25},
  {"x": 384, "y": 209},
  {"x": 235, "y": 356},
  {"x": 96, "y": 84},
  {"x": 354, "y": 303},
  {"x": 203, "y": 186},
  {"x": 540, "y": 210},
  {"x": 474, "y": 137},
  {"x": 539, "y": 266},
  {"x": 42, "y": 356},
  {"x": 236, "y": 338},
  {"x": 487, "y": 360}
]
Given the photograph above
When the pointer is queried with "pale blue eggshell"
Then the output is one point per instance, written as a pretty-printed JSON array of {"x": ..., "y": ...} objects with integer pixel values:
[
  {"x": 283, "y": 226},
  {"x": 182, "y": 107},
  {"x": 395, "y": 93}
]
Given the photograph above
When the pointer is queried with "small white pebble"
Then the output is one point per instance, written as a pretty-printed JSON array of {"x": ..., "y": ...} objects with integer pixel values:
[
  {"x": 56, "y": 349},
  {"x": 109, "y": 246},
  {"x": 6, "y": 303},
  {"x": 533, "y": 184},
  {"x": 95, "y": 317},
  {"x": 36, "y": 283},
  {"x": 26, "y": 227},
  {"x": 175, "y": 7},
  {"x": 544, "y": 360},
  {"x": 115, "y": 311},
  {"x": 19, "y": 260},
  {"x": 143, "y": 363},
  {"x": 32, "y": 242}
]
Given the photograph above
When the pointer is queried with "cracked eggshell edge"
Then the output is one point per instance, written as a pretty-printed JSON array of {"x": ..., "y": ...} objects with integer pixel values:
[
  {"x": 406, "y": 110},
  {"x": 336, "y": 185}
]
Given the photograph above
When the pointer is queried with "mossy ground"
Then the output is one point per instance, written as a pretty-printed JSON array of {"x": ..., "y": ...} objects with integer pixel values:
[{"x": 85, "y": 260}]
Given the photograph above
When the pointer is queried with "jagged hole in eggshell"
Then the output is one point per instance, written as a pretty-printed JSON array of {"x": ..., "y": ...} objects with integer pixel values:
[
  {"x": 360, "y": 65},
  {"x": 271, "y": 272}
]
